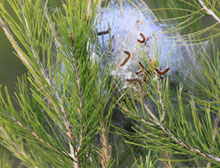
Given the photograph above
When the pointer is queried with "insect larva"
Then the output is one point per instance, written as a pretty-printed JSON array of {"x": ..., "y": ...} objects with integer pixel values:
[
  {"x": 162, "y": 72},
  {"x": 144, "y": 39},
  {"x": 126, "y": 60},
  {"x": 103, "y": 32},
  {"x": 142, "y": 70},
  {"x": 142, "y": 66},
  {"x": 134, "y": 80}
]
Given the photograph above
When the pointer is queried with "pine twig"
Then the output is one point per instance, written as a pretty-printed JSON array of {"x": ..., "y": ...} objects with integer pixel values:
[
  {"x": 215, "y": 131},
  {"x": 19, "y": 151},
  {"x": 37, "y": 137},
  {"x": 209, "y": 11},
  {"x": 28, "y": 64},
  {"x": 179, "y": 141},
  {"x": 29, "y": 32},
  {"x": 161, "y": 102},
  {"x": 208, "y": 165},
  {"x": 80, "y": 105},
  {"x": 127, "y": 111},
  {"x": 216, "y": 126},
  {"x": 66, "y": 123},
  {"x": 57, "y": 44},
  {"x": 169, "y": 163},
  {"x": 105, "y": 152}
]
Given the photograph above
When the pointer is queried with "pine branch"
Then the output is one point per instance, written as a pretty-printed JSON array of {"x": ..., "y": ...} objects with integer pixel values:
[
  {"x": 178, "y": 141},
  {"x": 29, "y": 32},
  {"x": 209, "y": 11},
  {"x": 161, "y": 101},
  {"x": 50, "y": 88},
  {"x": 66, "y": 123},
  {"x": 80, "y": 106},
  {"x": 215, "y": 131},
  {"x": 105, "y": 152},
  {"x": 37, "y": 137},
  {"x": 69, "y": 134},
  {"x": 73, "y": 102},
  {"x": 17, "y": 150},
  {"x": 52, "y": 27},
  {"x": 216, "y": 126},
  {"x": 27, "y": 63}
]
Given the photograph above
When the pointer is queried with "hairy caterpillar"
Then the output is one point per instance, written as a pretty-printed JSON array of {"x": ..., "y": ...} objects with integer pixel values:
[
  {"x": 103, "y": 32},
  {"x": 144, "y": 39},
  {"x": 142, "y": 70},
  {"x": 126, "y": 60},
  {"x": 134, "y": 80},
  {"x": 162, "y": 72}
]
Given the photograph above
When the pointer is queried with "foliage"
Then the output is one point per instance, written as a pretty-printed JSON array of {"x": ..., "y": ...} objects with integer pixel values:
[
  {"x": 61, "y": 105},
  {"x": 67, "y": 102}
]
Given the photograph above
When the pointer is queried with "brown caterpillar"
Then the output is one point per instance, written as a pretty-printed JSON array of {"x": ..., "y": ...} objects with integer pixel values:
[
  {"x": 162, "y": 72},
  {"x": 103, "y": 32},
  {"x": 142, "y": 66},
  {"x": 142, "y": 70},
  {"x": 126, "y": 60},
  {"x": 134, "y": 80},
  {"x": 144, "y": 38}
]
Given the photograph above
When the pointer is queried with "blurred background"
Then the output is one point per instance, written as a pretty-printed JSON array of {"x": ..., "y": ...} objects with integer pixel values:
[{"x": 10, "y": 65}]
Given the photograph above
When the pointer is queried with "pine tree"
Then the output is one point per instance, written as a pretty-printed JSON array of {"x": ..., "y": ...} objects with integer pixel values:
[{"x": 67, "y": 101}]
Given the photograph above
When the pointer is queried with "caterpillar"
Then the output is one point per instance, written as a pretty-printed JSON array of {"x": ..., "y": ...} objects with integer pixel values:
[
  {"x": 162, "y": 72},
  {"x": 103, "y": 32},
  {"x": 142, "y": 66},
  {"x": 126, "y": 60},
  {"x": 142, "y": 70},
  {"x": 144, "y": 38},
  {"x": 134, "y": 80}
]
